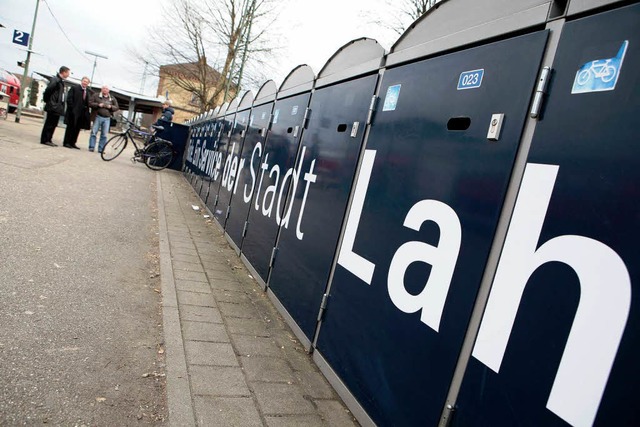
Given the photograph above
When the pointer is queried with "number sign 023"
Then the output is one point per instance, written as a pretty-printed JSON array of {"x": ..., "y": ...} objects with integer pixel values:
[{"x": 470, "y": 79}]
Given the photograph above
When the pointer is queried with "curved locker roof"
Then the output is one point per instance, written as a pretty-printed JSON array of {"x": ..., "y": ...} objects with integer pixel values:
[
  {"x": 580, "y": 6},
  {"x": 233, "y": 106},
  {"x": 223, "y": 109},
  {"x": 246, "y": 101},
  {"x": 455, "y": 23},
  {"x": 359, "y": 56},
  {"x": 299, "y": 80},
  {"x": 266, "y": 93}
]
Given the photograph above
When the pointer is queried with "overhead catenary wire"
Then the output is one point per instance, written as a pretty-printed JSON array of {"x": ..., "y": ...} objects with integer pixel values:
[{"x": 63, "y": 32}]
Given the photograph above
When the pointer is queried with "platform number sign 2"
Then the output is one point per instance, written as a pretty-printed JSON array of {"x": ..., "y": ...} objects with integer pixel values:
[{"x": 20, "y": 37}]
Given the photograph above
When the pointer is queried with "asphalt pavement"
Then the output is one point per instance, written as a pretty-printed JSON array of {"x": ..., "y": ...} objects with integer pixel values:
[
  {"x": 80, "y": 315},
  {"x": 121, "y": 304}
]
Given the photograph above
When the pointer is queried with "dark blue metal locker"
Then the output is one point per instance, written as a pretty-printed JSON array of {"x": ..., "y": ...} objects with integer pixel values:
[
  {"x": 426, "y": 204},
  {"x": 559, "y": 340},
  {"x": 251, "y": 154},
  {"x": 208, "y": 136},
  {"x": 221, "y": 149},
  {"x": 189, "y": 167},
  {"x": 279, "y": 157},
  {"x": 233, "y": 164},
  {"x": 198, "y": 144},
  {"x": 307, "y": 244}
]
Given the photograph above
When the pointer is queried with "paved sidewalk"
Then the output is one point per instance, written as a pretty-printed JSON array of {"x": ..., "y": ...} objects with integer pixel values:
[{"x": 231, "y": 359}]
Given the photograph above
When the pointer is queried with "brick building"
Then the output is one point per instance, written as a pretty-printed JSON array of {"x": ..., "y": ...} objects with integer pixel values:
[{"x": 185, "y": 103}]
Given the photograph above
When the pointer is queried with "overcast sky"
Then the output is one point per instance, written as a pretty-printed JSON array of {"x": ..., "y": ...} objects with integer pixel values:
[{"x": 311, "y": 32}]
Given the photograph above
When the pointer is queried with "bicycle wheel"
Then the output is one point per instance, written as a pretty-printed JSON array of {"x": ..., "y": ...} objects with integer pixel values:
[
  {"x": 583, "y": 77},
  {"x": 609, "y": 74},
  {"x": 114, "y": 146},
  {"x": 158, "y": 155}
]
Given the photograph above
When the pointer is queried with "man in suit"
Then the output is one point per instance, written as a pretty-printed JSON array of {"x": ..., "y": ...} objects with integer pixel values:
[
  {"x": 54, "y": 105},
  {"x": 77, "y": 116}
]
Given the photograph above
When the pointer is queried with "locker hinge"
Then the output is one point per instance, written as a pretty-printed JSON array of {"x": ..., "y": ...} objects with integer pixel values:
[
  {"x": 372, "y": 109},
  {"x": 323, "y": 306},
  {"x": 449, "y": 411},
  {"x": 215, "y": 203},
  {"x": 242, "y": 133},
  {"x": 274, "y": 254},
  {"x": 244, "y": 229},
  {"x": 541, "y": 91},
  {"x": 271, "y": 118},
  {"x": 305, "y": 120},
  {"x": 228, "y": 210}
]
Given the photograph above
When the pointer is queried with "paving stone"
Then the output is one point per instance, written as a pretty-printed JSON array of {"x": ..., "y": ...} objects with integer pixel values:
[
  {"x": 256, "y": 346},
  {"x": 177, "y": 231},
  {"x": 244, "y": 311},
  {"x": 194, "y": 276},
  {"x": 203, "y": 331},
  {"x": 193, "y": 258},
  {"x": 187, "y": 266},
  {"x": 189, "y": 286},
  {"x": 206, "y": 246},
  {"x": 200, "y": 314},
  {"x": 335, "y": 413},
  {"x": 299, "y": 359},
  {"x": 233, "y": 296},
  {"x": 218, "y": 381},
  {"x": 253, "y": 327},
  {"x": 196, "y": 298},
  {"x": 223, "y": 285},
  {"x": 226, "y": 412},
  {"x": 281, "y": 399},
  {"x": 201, "y": 241},
  {"x": 295, "y": 421},
  {"x": 220, "y": 275},
  {"x": 183, "y": 251},
  {"x": 267, "y": 369},
  {"x": 182, "y": 244},
  {"x": 210, "y": 353},
  {"x": 180, "y": 237},
  {"x": 315, "y": 385},
  {"x": 217, "y": 265}
]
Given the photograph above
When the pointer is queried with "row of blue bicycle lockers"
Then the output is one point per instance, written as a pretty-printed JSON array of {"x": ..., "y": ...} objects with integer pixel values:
[{"x": 451, "y": 227}]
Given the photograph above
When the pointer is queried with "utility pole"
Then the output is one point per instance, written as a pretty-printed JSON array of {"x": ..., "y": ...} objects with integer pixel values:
[
  {"x": 26, "y": 65},
  {"x": 144, "y": 77},
  {"x": 95, "y": 60}
]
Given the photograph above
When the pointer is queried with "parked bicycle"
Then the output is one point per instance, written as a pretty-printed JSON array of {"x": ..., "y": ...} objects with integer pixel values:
[{"x": 156, "y": 153}]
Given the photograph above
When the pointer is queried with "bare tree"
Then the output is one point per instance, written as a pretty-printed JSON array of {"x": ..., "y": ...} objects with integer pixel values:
[
  {"x": 399, "y": 14},
  {"x": 207, "y": 47}
]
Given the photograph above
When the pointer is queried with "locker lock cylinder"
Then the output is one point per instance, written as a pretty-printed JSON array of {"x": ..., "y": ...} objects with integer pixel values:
[{"x": 495, "y": 127}]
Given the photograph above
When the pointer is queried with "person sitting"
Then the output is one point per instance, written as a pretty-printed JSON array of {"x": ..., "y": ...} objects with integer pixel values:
[{"x": 167, "y": 113}]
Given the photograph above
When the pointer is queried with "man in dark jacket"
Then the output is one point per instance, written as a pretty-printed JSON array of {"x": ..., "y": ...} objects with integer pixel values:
[
  {"x": 77, "y": 116},
  {"x": 54, "y": 105}
]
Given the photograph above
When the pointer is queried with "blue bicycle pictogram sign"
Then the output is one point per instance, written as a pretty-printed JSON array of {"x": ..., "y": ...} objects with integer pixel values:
[{"x": 600, "y": 74}]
